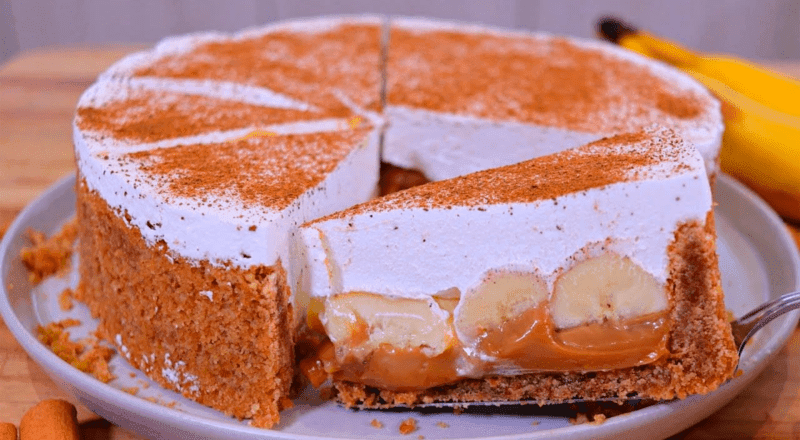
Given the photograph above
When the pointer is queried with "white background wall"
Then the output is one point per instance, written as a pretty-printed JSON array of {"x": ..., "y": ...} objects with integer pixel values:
[{"x": 760, "y": 29}]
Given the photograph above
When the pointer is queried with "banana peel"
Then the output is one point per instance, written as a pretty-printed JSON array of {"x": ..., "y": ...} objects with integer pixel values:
[
  {"x": 761, "y": 110},
  {"x": 768, "y": 87},
  {"x": 761, "y": 147}
]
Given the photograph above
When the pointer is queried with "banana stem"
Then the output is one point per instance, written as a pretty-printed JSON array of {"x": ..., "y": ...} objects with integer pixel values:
[
  {"x": 614, "y": 29},
  {"x": 627, "y": 35}
]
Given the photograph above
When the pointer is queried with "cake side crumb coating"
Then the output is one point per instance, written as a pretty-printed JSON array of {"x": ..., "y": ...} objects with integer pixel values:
[{"x": 218, "y": 335}]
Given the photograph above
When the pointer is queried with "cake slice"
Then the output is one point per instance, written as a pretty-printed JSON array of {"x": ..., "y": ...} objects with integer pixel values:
[
  {"x": 330, "y": 63},
  {"x": 462, "y": 98},
  {"x": 188, "y": 198},
  {"x": 143, "y": 113},
  {"x": 590, "y": 273}
]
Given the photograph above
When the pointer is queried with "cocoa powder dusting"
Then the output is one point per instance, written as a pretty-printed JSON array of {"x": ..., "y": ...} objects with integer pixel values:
[
  {"x": 263, "y": 171},
  {"x": 677, "y": 106},
  {"x": 542, "y": 81},
  {"x": 151, "y": 116},
  {"x": 310, "y": 66}
]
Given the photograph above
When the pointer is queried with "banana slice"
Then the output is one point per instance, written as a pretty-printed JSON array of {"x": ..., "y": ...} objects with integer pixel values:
[
  {"x": 607, "y": 287},
  {"x": 500, "y": 297},
  {"x": 364, "y": 321}
]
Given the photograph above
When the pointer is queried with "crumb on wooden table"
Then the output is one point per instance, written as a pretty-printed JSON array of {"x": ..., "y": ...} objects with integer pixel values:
[
  {"x": 408, "y": 426},
  {"x": 48, "y": 256},
  {"x": 86, "y": 356}
]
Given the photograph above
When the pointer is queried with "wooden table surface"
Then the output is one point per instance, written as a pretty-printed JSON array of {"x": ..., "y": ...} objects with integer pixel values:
[{"x": 38, "y": 92}]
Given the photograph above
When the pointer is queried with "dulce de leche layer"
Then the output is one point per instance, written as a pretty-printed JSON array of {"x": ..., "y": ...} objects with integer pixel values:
[{"x": 528, "y": 343}]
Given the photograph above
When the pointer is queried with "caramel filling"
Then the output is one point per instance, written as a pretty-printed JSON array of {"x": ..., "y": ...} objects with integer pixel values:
[
  {"x": 401, "y": 369},
  {"x": 395, "y": 179},
  {"x": 527, "y": 343},
  {"x": 532, "y": 343},
  {"x": 604, "y": 313}
]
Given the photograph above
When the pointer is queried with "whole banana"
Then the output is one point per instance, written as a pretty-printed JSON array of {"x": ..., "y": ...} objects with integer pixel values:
[{"x": 761, "y": 109}]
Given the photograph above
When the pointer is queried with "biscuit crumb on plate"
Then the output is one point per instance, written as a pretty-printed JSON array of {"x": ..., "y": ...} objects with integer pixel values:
[
  {"x": 581, "y": 418},
  {"x": 408, "y": 426},
  {"x": 87, "y": 356},
  {"x": 48, "y": 256}
]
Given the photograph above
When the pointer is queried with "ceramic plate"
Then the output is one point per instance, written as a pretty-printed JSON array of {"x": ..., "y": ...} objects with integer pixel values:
[{"x": 758, "y": 260}]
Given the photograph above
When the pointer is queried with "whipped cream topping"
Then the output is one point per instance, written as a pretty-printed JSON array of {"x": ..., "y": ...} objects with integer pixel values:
[{"x": 412, "y": 247}]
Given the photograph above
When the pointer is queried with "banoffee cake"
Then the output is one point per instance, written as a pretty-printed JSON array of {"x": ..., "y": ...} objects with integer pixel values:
[
  {"x": 589, "y": 273},
  {"x": 198, "y": 161}
]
